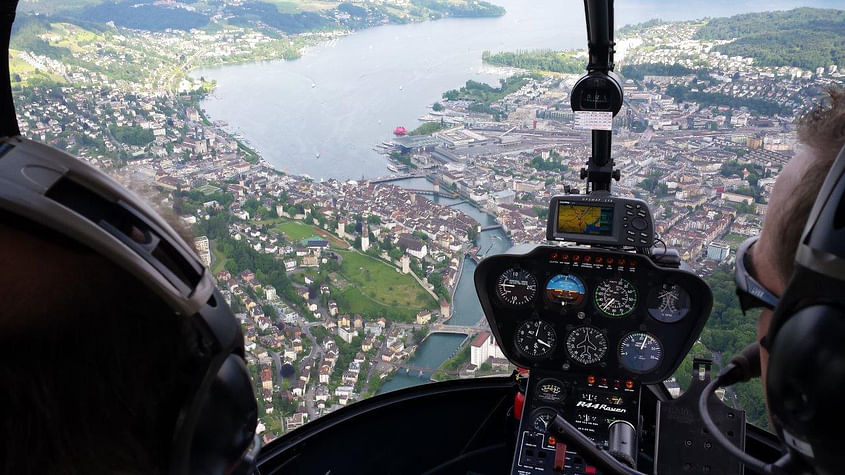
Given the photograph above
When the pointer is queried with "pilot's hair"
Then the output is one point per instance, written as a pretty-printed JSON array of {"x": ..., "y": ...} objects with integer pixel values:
[
  {"x": 822, "y": 130},
  {"x": 93, "y": 366}
]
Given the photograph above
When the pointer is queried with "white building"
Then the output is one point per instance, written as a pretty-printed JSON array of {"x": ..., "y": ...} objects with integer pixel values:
[
  {"x": 203, "y": 250},
  {"x": 483, "y": 348}
]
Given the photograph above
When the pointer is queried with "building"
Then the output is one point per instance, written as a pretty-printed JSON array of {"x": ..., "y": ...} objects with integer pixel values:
[
  {"x": 270, "y": 293},
  {"x": 365, "y": 238},
  {"x": 718, "y": 251},
  {"x": 346, "y": 334},
  {"x": 423, "y": 317},
  {"x": 405, "y": 261},
  {"x": 483, "y": 348},
  {"x": 203, "y": 250}
]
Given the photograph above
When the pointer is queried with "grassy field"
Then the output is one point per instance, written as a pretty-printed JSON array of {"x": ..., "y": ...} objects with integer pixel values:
[
  {"x": 296, "y": 6},
  {"x": 218, "y": 260},
  {"x": 375, "y": 282},
  {"x": 297, "y": 231},
  {"x": 28, "y": 73}
]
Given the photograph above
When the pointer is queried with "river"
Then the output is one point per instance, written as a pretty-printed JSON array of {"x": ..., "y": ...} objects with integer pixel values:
[{"x": 321, "y": 115}]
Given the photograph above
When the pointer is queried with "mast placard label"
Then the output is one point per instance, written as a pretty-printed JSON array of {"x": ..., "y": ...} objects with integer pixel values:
[{"x": 593, "y": 120}]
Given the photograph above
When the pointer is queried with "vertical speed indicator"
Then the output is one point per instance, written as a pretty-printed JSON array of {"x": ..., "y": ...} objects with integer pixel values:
[{"x": 516, "y": 287}]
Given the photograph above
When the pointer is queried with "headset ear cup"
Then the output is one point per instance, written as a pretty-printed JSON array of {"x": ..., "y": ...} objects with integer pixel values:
[
  {"x": 806, "y": 377},
  {"x": 227, "y": 420}
]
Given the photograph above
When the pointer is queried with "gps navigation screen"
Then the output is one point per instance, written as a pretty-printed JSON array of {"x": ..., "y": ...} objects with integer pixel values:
[{"x": 584, "y": 219}]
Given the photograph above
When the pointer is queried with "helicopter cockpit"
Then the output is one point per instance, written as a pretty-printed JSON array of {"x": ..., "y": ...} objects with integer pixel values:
[{"x": 595, "y": 319}]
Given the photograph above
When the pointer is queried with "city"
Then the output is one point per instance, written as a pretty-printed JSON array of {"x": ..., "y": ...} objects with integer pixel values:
[{"x": 338, "y": 283}]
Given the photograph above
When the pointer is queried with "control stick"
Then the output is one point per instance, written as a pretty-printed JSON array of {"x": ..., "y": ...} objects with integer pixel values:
[{"x": 603, "y": 460}]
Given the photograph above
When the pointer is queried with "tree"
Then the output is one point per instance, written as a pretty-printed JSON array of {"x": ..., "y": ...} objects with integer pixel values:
[{"x": 437, "y": 107}]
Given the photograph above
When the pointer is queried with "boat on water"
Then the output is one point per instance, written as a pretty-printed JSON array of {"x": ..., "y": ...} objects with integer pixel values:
[
  {"x": 392, "y": 168},
  {"x": 400, "y": 131}
]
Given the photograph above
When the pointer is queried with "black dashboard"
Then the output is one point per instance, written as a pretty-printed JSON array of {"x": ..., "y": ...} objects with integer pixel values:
[
  {"x": 612, "y": 314},
  {"x": 591, "y": 326}
]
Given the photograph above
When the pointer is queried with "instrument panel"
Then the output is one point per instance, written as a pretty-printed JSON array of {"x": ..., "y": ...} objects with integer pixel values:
[{"x": 597, "y": 311}]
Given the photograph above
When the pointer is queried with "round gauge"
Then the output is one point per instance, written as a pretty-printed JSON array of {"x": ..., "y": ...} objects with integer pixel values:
[
  {"x": 535, "y": 338},
  {"x": 640, "y": 352},
  {"x": 668, "y": 303},
  {"x": 616, "y": 297},
  {"x": 516, "y": 286},
  {"x": 586, "y": 345},
  {"x": 565, "y": 289},
  {"x": 550, "y": 390},
  {"x": 541, "y": 418}
]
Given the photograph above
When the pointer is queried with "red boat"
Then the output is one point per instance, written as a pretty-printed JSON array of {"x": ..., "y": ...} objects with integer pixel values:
[{"x": 400, "y": 131}]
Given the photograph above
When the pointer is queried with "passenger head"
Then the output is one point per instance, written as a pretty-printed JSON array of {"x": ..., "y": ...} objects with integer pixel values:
[
  {"x": 94, "y": 366},
  {"x": 821, "y": 134}
]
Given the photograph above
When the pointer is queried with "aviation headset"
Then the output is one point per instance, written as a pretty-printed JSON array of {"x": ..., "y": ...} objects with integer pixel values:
[
  {"x": 806, "y": 340},
  {"x": 216, "y": 423}
]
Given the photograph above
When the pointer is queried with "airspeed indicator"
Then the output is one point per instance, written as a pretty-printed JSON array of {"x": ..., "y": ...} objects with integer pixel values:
[{"x": 616, "y": 297}]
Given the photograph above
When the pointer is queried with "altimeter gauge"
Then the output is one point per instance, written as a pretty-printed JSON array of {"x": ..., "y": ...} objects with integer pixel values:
[
  {"x": 586, "y": 345},
  {"x": 668, "y": 303},
  {"x": 640, "y": 352},
  {"x": 516, "y": 286},
  {"x": 535, "y": 338},
  {"x": 615, "y": 297}
]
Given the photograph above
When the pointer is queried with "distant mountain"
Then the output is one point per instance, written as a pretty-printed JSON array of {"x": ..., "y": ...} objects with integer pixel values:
[
  {"x": 142, "y": 16},
  {"x": 805, "y": 37}
]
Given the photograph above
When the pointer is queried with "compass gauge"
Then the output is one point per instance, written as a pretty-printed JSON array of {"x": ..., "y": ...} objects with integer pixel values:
[
  {"x": 616, "y": 297},
  {"x": 586, "y": 345},
  {"x": 535, "y": 338},
  {"x": 516, "y": 287}
]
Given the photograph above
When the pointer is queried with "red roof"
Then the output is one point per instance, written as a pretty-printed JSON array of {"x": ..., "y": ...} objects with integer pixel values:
[{"x": 480, "y": 339}]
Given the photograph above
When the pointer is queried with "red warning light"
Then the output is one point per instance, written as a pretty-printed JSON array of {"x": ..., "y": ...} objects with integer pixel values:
[
  {"x": 621, "y": 261},
  {"x": 610, "y": 260},
  {"x": 591, "y": 379},
  {"x": 554, "y": 255},
  {"x": 576, "y": 257},
  {"x": 603, "y": 381},
  {"x": 629, "y": 384},
  {"x": 633, "y": 263},
  {"x": 564, "y": 257},
  {"x": 599, "y": 259},
  {"x": 588, "y": 258}
]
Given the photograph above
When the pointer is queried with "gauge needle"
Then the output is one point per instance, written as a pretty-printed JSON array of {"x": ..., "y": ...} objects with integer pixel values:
[
  {"x": 544, "y": 343},
  {"x": 537, "y": 333},
  {"x": 507, "y": 285},
  {"x": 642, "y": 347},
  {"x": 604, "y": 307}
]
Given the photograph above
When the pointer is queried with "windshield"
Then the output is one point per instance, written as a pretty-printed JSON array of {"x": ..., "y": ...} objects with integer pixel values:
[{"x": 345, "y": 165}]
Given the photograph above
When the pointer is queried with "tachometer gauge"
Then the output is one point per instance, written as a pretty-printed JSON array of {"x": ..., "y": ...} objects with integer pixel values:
[
  {"x": 668, "y": 303},
  {"x": 640, "y": 352},
  {"x": 565, "y": 290},
  {"x": 541, "y": 418},
  {"x": 586, "y": 345},
  {"x": 516, "y": 287},
  {"x": 535, "y": 338},
  {"x": 616, "y": 297},
  {"x": 550, "y": 390}
]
